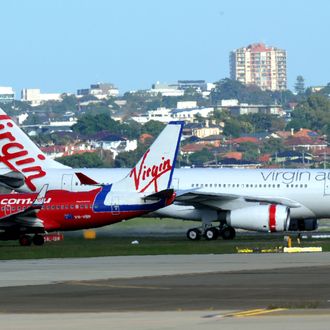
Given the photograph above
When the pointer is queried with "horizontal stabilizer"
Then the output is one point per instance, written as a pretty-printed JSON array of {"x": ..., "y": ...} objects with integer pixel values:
[
  {"x": 166, "y": 193},
  {"x": 84, "y": 179},
  {"x": 13, "y": 179}
]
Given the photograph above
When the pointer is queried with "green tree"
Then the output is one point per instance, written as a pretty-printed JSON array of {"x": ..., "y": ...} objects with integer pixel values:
[
  {"x": 251, "y": 150},
  {"x": 153, "y": 127},
  {"x": 86, "y": 159},
  {"x": 272, "y": 145},
  {"x": 313, "y": 113},
  {"x": 201, "y": 157},
  {"x": 89, "y": 124}
]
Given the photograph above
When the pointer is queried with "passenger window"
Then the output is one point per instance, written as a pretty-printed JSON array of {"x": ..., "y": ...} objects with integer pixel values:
[{"x": 71, "y": 206}]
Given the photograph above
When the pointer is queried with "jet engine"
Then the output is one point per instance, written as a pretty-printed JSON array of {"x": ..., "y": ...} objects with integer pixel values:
[
  {"x": 267, "y": 218},
  {"x": 303, "y": 224}
]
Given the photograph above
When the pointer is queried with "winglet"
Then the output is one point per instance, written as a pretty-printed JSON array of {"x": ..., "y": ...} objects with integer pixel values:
[
  {"x": 40, "y": 199},
  {"x": 84, "y": 179}
]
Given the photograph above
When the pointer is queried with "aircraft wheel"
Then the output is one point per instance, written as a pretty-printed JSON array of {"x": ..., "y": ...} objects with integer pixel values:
[
  {"x": 211, "y": 233},
  {"x": 194, "y": 234},
  {"x": 25, "y": 240},
  {"x": 228, "y": 233},
  {"x": 38, "y": 240}
]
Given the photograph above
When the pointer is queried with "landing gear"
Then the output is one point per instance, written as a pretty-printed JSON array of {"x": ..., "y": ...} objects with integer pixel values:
[
  {"x": 25, "y": 240},
  {"x": 228, "y": 233},
  {"x": 194, "y": 234},
  {"x": 211, "y": 233},
  {"x": 38, "y": 240}
]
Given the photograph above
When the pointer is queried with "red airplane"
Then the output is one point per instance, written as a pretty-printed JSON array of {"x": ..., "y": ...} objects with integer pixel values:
[{"x": 27, "y": 217}]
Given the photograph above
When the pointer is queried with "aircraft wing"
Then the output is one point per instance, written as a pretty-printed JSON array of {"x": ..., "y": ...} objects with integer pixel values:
[
  {"x": 27, "y": 217},
  {"x": 200, "y": 198}
]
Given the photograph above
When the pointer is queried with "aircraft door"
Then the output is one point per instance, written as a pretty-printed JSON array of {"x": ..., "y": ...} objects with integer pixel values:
[
  {"x": 327, "y": 184},
  {"x": 115, "y": 208},
  {"x": 67, "y": 181},
  {"x": 7, "y": 210}
]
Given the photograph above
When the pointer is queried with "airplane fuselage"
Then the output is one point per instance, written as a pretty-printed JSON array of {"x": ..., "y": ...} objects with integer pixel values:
[
  {"x": 308, "y": 187},
  {"x": 64, "y": 210}
]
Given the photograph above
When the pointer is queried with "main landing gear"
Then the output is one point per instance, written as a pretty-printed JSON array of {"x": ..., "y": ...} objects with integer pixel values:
[
  {"x": 27, "y": 240},
  {"x": 212, "y": 233}
]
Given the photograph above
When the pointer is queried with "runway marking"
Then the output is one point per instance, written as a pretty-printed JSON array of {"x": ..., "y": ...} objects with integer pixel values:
[
  {"x": 116, "y": 286},
  {"x": 254, "y": 312}
]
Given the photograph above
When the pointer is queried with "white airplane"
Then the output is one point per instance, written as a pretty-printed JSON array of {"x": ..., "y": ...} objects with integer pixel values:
[{"x": 266, "y": 200}]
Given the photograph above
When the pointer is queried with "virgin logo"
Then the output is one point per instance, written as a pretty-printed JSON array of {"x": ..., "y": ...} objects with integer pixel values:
[
  {"x": 145, "y": 176},
  {"x": 14, "y": 155}
]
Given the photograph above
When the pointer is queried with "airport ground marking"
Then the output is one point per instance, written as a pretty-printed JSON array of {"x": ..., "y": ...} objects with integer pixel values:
[
  {"x": 254, "y": 312},
  {"x": 117, "y": 286}
]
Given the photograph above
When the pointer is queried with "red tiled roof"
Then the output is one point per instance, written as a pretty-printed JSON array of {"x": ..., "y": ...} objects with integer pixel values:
[
  {"x": 283, "y": 134},
  {"x": 258, "y": 47},
  {"x": 302, "y": 140},
  {"x": 234, "y": 154},
  {"x": 244, "y": 139},
  {"x": 144, "y": 137},
  {"x": 304, "y": 132},
  {"x": 264, "y": 158},
  {"x": 194, "y": 147}
]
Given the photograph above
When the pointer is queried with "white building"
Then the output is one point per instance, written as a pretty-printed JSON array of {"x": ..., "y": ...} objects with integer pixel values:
[
  {"x": 165, "y": 90},
  {"x": 35, "y": 97},
  {"x": 259, "y": 65},
  {"x": 7, "y": 94},
  {"x": 116, "y": 144},
  {"x": 237, "y": 109},
  {"x": 100, "y": 91},
  {"x": 190, "y": 114},
  {"x": 161, "y": 114}
]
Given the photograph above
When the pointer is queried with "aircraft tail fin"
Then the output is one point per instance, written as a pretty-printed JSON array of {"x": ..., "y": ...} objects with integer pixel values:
[
  {"x": 40, "y": 199},
  {"x": 18, "y": 151},
  {"x": 153, "y": 173}
]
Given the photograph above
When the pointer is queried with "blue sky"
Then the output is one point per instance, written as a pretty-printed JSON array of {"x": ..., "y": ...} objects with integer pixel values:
[{"x": 61, "y": 46}]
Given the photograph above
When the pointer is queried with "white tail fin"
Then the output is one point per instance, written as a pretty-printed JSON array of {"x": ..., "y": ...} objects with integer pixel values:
[
  {"x": 153, "y": 173},
  {"x": 40, "y": 199},
  {"x": 19, "y": 153}
]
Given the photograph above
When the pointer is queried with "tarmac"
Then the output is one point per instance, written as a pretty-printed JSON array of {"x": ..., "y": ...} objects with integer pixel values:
[{"x": 167, "y": 292}]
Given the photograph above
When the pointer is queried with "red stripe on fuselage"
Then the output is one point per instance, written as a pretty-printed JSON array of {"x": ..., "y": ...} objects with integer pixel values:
[{"x": 272, "y": 218}]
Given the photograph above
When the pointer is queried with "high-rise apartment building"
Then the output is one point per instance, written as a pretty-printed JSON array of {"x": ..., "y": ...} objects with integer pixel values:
[{"x": 260, "y": 65}]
